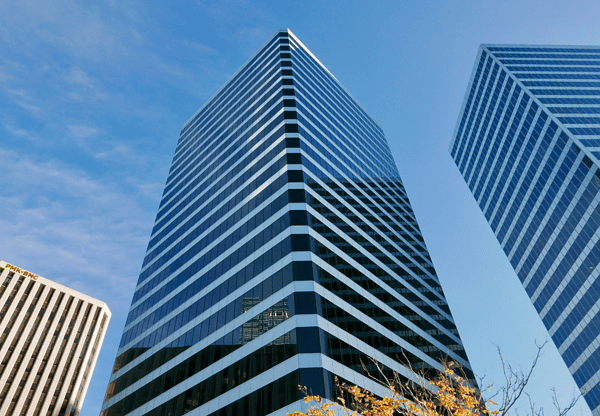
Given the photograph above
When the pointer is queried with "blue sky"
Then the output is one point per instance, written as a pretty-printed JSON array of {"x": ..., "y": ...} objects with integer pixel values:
[{"x": 93, "y": 96}]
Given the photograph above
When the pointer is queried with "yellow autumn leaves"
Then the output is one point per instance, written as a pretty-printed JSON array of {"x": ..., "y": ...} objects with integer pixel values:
[{"x": 447, "y": 395}]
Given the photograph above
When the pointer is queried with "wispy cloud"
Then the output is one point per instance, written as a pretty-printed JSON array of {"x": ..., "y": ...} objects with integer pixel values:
[
  {"x": 19, "y": 132},
  {"x": 198, "y": 47},
  {"x": 151, "y": 190},
  {"x": 66, "y": 211},
  {"x": 23, "y": 99},
  {"x": 241, "y": 19},
  {"x": 120, "y": 151},
  {"x": 79, "y": 77},
  {"x": 4, "y": 76},
  {"x": 93, "y": 95},
  {"x": 35, "y": 110},
  {"x": 82, "y": 86},
  {"x": 21, "y": 93},
  {"x": 82, "y": 132}
]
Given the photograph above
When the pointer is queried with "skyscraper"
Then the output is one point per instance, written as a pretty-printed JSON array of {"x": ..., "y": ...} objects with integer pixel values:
[
  {"x": 50, "y": 339},
  {"x": 527, "y": 143},
  {"x": 284, "y": 252}
]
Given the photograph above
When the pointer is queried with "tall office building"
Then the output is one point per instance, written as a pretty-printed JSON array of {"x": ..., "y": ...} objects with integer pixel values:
[
  {"x": 284, "y": 252},
  {"x": 50, "y": 339},
  {"x": 527, "y": 143}
]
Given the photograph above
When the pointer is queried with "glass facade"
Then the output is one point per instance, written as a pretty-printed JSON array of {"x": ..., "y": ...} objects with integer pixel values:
[
  {"x": 285, "y": 252},
  {"x": 527, "y": 143}
]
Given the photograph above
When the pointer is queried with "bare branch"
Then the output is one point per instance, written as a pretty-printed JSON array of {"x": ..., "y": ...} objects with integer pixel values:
[
  {"x": 516, "y": 381},
  {"x": 559, "y": 409},
  {"x": 444, "y": 392}
]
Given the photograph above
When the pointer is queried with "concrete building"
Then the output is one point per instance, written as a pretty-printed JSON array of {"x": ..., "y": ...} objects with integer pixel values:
[
  {"x": 50, "y": 337},
  {"x": 284, "y": 252},
  {"x": 527, "y": 143}
]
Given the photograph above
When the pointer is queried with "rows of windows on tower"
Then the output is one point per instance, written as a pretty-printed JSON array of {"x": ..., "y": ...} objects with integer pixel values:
[
  {"x": 50, "y": 338},
  {"x": 527, "y": 145},
  {"x": 285, "y": 252}
]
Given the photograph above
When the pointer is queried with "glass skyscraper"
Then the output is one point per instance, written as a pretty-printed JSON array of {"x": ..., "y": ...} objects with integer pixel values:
[
  {"x": 284, "y": 253},
  {"x": 527, "y": 143}
]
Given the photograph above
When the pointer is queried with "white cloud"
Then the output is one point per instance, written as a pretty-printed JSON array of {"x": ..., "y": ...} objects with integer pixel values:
[
  {"x": 82, "y": 132},
  {"x": 151, "y": 190},
  {"x": 104, "y": 84},
  {"x": 19, "y": 132},
  {"x": 64, "y": 225},
  {"x": 118, "y": 151},
  {"x": 83, "y": 87},
  {"x": 21, "y": 93},
  {"x": 4, "y": 76},
  {"x": 35, "y": 110},
  {"x": 122, "y": 154},
  {"x": 23, "y": 99},
  {"x": 85, "y": 232},
  {"x": 198, "y": 47},
  {"x": 79, "y": 77},
  {"x": 241, "y": 19}
]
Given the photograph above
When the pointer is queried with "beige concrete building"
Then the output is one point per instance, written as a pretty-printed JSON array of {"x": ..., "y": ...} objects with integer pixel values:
[{"x": 50, "y": 337}]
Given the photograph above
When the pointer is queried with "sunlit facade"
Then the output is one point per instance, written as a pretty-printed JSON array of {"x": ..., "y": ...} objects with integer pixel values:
[
  {"x": 284, "y": 252},
  {"x": 527, "y": 143},
  {"x": 50, "y": 338}
]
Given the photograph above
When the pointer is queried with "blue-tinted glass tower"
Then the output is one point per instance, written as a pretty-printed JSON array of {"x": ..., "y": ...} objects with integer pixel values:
[
  {"x": 284, "y": 253},
  {"x": 527, "y": 143}
]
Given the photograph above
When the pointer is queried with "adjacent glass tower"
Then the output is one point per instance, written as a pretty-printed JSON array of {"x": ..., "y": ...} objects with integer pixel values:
[
  {"x": 527, "y": 143},
  {"x": 284, "y": 253}
]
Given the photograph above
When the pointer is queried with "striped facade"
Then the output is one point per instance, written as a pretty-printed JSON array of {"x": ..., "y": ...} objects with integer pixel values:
[
  {"x": 50, "y": 339},
  {"x": 284, "y": 253},
  {"x": 527, "y": 143}
]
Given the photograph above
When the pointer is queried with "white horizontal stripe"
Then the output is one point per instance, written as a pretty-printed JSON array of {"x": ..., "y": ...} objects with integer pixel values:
[
  {"x": 182, "y": 209},
  {"x": 387, "y": 209},
  {"x": 238, "y": 206},
  {"x": 590, "y": 384},
  {"x": 271, "y": 243},
  {"x": 473, "y": 89},
  {"x": 576, "y": 264},
  {"x": 342, "y": 101},
  {"x": 248, "y": 315},
  {"x": 496, "y": 201},
  {"x": 572, "y": 303},
  {"x": 586, "y": 353},
  {"x": 350, "y": 206},
  {"x": 532, "y": 184},
  {"x": 512, "y": 170},
  {"x": 488, "y": 77},
  {"x": 480, "y": 173},
  {"x": 564, "y": 88},
  {"x": 555, "y": 232},
  {"x": 407, "y": 269},
  {"x": 274, "y": 216},
  {"x": 227, "y": 96},
  {"x": 184, "y": 172},
  {"x": 540, "y": 200},
  {"x": 524, "y": 180},
  {"x": 374, "y": 324},
  {"x": 496, "y": 95},
  {"x": 497, "y": 153},
  {"x": 548, "y": 214},
  {"x": 366, "y": 272},
  {"x": 572, "y": 237}
]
